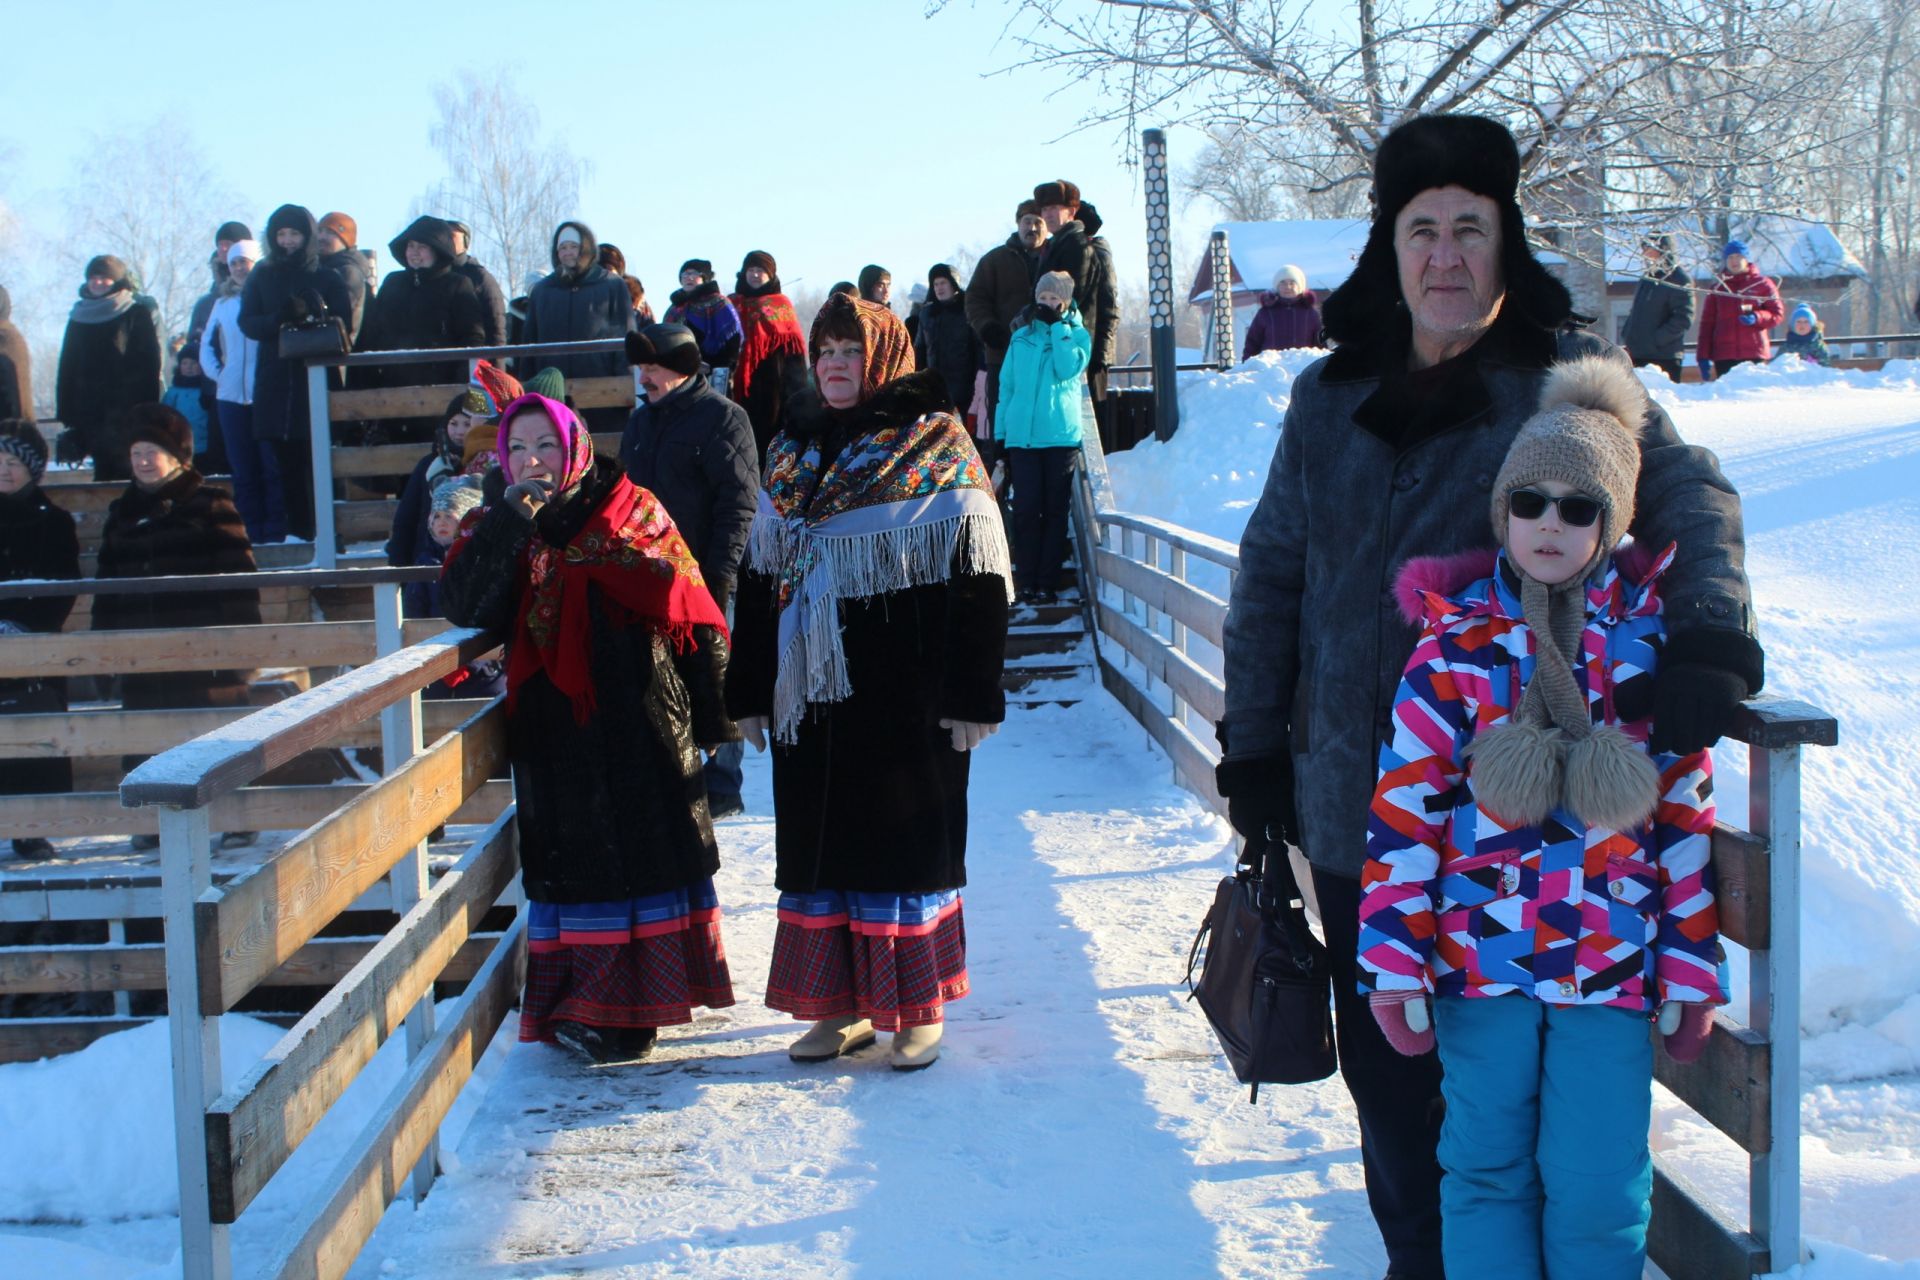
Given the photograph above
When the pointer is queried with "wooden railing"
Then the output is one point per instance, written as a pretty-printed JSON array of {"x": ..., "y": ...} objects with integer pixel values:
[
  {"x": 222, "y": 941},
  {"x": 1149, "y": 614}
]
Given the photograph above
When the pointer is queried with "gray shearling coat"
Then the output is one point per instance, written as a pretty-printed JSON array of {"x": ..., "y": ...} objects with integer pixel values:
[{"x": 1315, "y": 642}]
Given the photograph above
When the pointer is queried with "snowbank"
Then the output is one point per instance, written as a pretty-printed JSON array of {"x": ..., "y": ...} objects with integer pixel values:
[{"x": 1828, "y": 462}]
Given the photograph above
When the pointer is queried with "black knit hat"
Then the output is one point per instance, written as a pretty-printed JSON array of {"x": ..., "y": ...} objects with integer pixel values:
[
  {"x": 1426, "y": 152},
  {"x": 701, "y": 265},
  {"x": 671, "y": 346},
  {"x": 1059, "y": 191},
  {"x": 762, "y": 259},
  {"x": 164, "y": 426},
  {"x": 941, "y": 271},
  {"x": 231, "y": 232},
  {"x": 21, "y": 438}
]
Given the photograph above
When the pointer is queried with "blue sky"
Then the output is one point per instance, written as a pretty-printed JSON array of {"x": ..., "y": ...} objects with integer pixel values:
[{"x": 830, "y": 134}]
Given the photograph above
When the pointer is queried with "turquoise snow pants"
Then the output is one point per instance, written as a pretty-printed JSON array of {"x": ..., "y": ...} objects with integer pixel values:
[{"x": 1544, "y": 1144}]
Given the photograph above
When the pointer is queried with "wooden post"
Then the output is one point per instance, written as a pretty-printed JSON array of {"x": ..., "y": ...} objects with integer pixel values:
[
  {"x": 325, "y": 554},
  {"x": 186, "y": 874},
  {"x": 400, "y": 742},
  {"x": 1773, "y": 813}
]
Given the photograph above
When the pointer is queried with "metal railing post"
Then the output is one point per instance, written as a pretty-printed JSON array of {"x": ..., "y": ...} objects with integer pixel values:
[
  {"x": 1177, "y": 632},
  {"x": 194, "y": 1036},
  {"x": 1773, "y": 813},
  {"x": 320, "y": 440},
  {"x": 1160, "y": 298},
  {"x": 400, "y": 734}
]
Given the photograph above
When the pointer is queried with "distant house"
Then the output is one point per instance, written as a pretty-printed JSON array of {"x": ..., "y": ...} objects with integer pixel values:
[{"x": 1325, "y": 249}]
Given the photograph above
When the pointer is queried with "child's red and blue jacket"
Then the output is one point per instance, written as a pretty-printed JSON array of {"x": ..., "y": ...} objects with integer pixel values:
[{"x": 1455, "y": 902}]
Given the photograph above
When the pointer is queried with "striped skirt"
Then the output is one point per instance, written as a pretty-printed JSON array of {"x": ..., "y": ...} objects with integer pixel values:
[
  {"x": 639, "y": 962},
  {"x": 893, "y": 958}
]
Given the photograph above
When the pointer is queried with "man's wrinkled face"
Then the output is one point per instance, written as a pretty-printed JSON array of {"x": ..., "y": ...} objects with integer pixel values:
[
  {"x": 1033, "y": 231},
  {"x": 1447, "y": 243}
]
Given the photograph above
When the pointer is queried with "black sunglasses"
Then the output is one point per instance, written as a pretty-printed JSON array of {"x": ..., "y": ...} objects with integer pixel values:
[{"x": 1576, "y": 510}]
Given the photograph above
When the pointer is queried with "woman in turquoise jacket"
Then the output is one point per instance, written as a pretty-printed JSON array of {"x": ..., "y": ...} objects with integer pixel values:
[{"x": 1038, "y": 420}]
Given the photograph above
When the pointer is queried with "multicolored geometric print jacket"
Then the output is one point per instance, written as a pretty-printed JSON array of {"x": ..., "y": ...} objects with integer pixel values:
[{"x": 1455, "y": 902}]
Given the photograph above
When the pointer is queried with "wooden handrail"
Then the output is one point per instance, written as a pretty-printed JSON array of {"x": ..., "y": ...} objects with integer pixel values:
[{"x": 29, "y": 588}]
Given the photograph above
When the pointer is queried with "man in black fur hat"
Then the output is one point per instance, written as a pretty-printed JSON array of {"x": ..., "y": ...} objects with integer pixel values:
[{"x": 1443, "y": 336}]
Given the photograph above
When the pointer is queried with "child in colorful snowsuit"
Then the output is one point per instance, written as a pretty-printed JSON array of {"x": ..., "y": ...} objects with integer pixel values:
[
  {"x": 1806, "y": 337},
  {"x": 1532, "y": 870}
]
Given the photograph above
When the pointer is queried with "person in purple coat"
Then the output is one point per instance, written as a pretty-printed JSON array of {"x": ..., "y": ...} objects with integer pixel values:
[{"x": 1289, "y": 315}]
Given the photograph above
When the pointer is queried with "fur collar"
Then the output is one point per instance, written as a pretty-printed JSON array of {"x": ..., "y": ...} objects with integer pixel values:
[{"x": 1448, "y": 575}]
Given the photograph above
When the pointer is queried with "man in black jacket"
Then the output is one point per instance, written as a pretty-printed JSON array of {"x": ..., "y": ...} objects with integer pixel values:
[
  {"x": 1076, "y": 247},
  {"x": 579, "y": 302},
  {"x": 693, "y": 449},
  {"x": 1662, "y": 309},
  {"x": 493, "y": 303},
  {"x": 1002, "y": 287}
]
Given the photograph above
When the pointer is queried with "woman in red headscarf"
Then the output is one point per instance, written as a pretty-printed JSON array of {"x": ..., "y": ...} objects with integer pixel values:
[
  {"x": 872, "y": 625},
  {"x": 616, "y": 658}
]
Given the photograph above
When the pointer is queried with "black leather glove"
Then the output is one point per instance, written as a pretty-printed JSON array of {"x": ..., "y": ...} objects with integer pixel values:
[
  {"x": 995, "y": 334},
  {"x": 1046, "y": 315},
  {"x": 1693, "y": 706},
  {"x": 1259, "y": 793},
  {"x": 294, "y": 310}
]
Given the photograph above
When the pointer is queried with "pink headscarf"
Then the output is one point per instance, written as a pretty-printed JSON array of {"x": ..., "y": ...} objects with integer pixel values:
[{"x": 575, "y": 439}]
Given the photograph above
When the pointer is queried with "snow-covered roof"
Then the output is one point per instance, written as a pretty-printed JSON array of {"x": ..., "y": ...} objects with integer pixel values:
[
  {"x": 1778, "y": 245},
  {"x": 1325, "y": 249}
]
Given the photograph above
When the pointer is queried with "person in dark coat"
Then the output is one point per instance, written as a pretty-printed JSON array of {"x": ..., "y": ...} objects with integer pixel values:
[
  {"x": 339, "y": 239},
  {"x": 37, "y": 540},
  {"x": 772, "y": 365},
  {"x": 946, "y": 343},
  {"x": 877, "y": 671},
  {"x": 693, "y": 449},
  {"x": 426, "y": 305},
  {"x": 169, "y": 522},
  {"x": 1443, "y": 336},
  {"x": 616, "y": 660},
  {"x": 579, "y": 302},
  {"x": 1662, "y": 310},
  {"x": 16, "y": 365},
  {"x": 109, "y": 362},
  {"x": 1077, "y": 248},
  {"x": 228, "y": 235},
  {"x": 466, "y": 412},
  {"x": 1002, "y": 287},
  {"x": 493, "y": 303},
  {"x": 1289, "y": 316},
  {"x": 288, "y": 287},
  {"x": 699, "y": 305}
]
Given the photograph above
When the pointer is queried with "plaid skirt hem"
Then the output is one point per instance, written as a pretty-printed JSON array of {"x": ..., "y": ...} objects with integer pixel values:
[
  {"x": 654, "y": 981},
  {"x": 823, "y": 968}
]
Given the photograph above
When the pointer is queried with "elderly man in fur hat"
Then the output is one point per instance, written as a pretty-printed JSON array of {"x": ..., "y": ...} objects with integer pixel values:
[{"x": 1446, "y": 331}]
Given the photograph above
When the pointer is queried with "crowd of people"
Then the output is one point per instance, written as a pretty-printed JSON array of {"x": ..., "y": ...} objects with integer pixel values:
[{"x": 1490, "y": 618}]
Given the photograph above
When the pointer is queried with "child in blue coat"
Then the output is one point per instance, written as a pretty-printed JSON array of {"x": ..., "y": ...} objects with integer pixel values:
[{"x": 1038, "y": 420}]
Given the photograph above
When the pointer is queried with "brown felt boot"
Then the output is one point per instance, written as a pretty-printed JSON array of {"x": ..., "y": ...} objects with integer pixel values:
[
  {"x": 916, "y": 1048},
  {"x": 831, "y": 1038}
]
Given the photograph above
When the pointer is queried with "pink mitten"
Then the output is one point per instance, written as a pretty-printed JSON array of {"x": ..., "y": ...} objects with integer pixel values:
[
  {"x": 1404, "y": 1020},
  {"x": 1688, "y": 1039}
]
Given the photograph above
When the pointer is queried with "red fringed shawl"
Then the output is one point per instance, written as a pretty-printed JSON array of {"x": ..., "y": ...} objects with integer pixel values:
[
  {"x": 631, "y": 550},
  {"x": 769, "y": 328}
]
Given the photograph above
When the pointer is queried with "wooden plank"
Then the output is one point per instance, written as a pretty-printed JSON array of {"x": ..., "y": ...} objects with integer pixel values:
[
  {"x": 30, "y": 1039},
  {"x": 97, "y": 813},
  {"x": 1689, "y": 1240},
  {"x": 262, "y": 918},
  {"x": 1165, "y": 663},
  {"x": 1783, "y": 722},
  {"x": 379, "y": 459},
  {"x": 103, "y": 653},
  {"x": 254, "y": 1128},
  {"x": 363, "y": 521},
  {"x": 431, "y": 401},
  {"x": 191, "y": 776},
  {"x": 1743, "y": 889},
  {"x": 1204, "y": 614},
  {"x": 388, "y": 1148},
  {"x": 1190, "y": 760},
  {"x": 142, "y": 966},
  {"x": 112, "y": 732},
  {"x": 1729, "y": 1085}
]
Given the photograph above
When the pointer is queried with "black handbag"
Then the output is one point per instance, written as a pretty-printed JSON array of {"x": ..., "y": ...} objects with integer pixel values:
[
  {"x": 1264, "y": 981},
  {"x": 321, "y": 335}
]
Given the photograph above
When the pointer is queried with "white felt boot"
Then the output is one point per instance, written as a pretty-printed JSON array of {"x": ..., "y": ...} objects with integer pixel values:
[
  {"x": 831, "y": 1038},
  {"x": 916, "y": 1048}
]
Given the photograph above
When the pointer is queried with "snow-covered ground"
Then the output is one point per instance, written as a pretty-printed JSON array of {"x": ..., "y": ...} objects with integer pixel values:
[{"x": 1082, "y": 1122}]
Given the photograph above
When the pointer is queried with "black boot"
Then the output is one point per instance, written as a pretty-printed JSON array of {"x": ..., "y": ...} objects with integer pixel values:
[{"x": 33, "y": 848}]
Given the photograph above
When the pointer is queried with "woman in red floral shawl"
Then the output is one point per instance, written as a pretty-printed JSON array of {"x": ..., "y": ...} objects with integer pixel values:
[{"x": 616, "y": 658}]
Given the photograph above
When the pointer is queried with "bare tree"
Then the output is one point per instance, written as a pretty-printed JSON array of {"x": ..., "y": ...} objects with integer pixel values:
[
  {"x": 505, "y": 179},
  {"x": 152, "y": 198}
]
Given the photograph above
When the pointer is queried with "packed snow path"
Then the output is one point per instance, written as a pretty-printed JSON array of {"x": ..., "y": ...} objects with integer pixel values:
[{"x": 1080, "y": 1121}]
